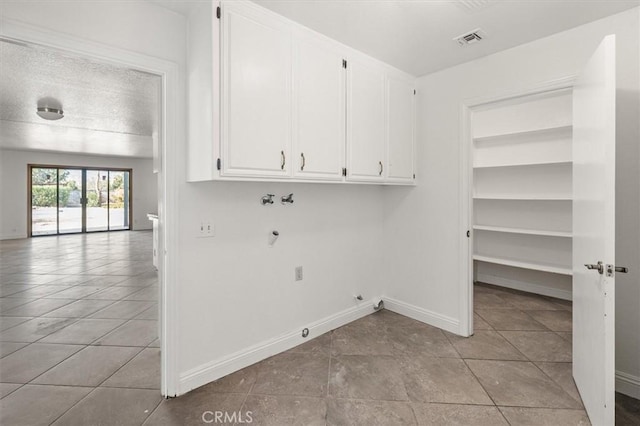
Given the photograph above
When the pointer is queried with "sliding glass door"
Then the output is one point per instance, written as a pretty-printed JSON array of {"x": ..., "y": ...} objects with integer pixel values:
[
  {"x": 97, "y": 201},
  {"x": 44, "y": 201},
  {"x": 119, "y": 189},
  {"x": 69, "y": 201},
  {"x": 72, "y": 199}
]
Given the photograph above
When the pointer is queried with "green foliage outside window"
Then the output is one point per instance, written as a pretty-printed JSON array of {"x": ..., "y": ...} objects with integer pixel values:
[{"x": 45, "y": 195}]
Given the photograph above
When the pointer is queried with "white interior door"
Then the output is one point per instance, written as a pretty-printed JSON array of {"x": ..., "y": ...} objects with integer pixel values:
[{"x": 594, "y": 233}]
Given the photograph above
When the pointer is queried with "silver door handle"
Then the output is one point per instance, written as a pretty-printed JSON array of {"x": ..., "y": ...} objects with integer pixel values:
[
  {"x": 598, "y": 267},
  {"x": 283, "y": 160},
  {"x": 381, "y": 169}
]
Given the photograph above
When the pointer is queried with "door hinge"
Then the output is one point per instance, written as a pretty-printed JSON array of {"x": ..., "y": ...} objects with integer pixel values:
[
  {"x": 344, "y": 171},
  {"x": 218, "y": 12},
  {"x": 468, "y": 233},
  {"x": 344, "y": 63},
  {"x": 219, "y": 164}
]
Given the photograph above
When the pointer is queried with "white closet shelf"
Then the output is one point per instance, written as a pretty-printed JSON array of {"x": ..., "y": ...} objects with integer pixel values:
[
  {"x": 525, "y": 265},
  {"x": 541, "y": 164},
  {"x": 523, "y": 133},
  {"x": 523, "y": 231},
  {"x": 522, "y": 197}
]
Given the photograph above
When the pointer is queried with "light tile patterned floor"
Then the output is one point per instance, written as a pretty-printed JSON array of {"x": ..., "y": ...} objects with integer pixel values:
[
  {"x": 78, "y": 317},
  {"x": 78, "y": 330}
]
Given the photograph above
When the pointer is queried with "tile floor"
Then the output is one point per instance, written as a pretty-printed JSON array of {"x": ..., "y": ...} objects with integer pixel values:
[
  {"x": 78, "y": 318},
  {"x": 78, "y": 330}
]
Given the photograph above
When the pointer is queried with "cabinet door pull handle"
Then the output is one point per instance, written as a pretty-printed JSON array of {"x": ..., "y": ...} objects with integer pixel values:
[
  {"x": 380, "y": 163},
  {"x": 283, "y": 160},
  {"x": 304, "y": 162}
]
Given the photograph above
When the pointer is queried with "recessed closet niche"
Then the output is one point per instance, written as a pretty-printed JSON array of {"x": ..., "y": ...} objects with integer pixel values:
[{"x": 522, "y": 193}]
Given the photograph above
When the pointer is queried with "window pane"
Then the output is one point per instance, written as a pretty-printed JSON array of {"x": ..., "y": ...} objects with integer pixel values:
[
  {"x": 69, "y": 197},
  {"x": 44, "y": 218},
  {"x": 97, "y": 202},
  {"x": 118, "y": 200}
]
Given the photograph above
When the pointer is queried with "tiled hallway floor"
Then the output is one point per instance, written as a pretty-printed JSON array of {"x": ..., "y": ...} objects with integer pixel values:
[
  {"x": 78, "y": 347},
  {"x": 78, "y": 330}
]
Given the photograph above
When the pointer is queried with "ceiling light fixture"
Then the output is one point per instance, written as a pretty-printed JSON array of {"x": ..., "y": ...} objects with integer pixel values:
[{"x": 49, "y": 113}]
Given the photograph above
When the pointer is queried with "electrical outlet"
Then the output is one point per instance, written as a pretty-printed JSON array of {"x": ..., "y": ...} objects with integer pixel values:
[{"x": 298, "y": 273}]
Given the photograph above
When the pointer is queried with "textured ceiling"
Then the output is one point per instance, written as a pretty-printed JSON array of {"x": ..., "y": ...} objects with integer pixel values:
[{"x": 108, "y": 110}]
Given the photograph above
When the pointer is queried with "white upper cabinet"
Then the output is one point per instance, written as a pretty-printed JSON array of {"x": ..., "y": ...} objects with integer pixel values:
[
  {"x": 400, "y": 143},
  {"x": 366, "y": 122},
  {"x": 318, "y": 109},
  {"x": 295, "y": 105},
  {"x": 256, "y": 76}
]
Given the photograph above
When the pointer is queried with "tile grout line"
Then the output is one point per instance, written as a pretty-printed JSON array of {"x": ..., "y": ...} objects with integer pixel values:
[
  {"x": 246, "y": 396},
  {"x": 30, "y": 382},
  {"x": 19, "y": 387},
  {"x": 512, "y": 345},
  {"x": 123, "y": 365},
  {"x": 477, "y": 379},
  {"x": 558, "y": 384},
  {"x": 162, "y": 400},
  {"x": 329, "y": 367},
  {"x": 485, "y": 390}
]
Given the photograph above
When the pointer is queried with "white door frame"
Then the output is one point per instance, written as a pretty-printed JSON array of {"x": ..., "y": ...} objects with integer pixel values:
[
  {"x": 466, "y": 189},
  {"x": 167, "y": 176}
]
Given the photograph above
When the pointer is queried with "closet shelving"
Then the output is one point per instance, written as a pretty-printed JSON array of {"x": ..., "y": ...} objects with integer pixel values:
[
  {"x": 522, "y": 191},
  {"x": 521, "y": 197},
  {"x": 523, "y": 231},
  {"x": 522, "y": 133},
  {"x": 495, "y": 166},
  {"x": 526, "y": 265}
]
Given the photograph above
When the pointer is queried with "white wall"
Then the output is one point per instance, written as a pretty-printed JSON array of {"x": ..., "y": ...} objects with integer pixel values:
[
  {"x": 13, "y": 185},
  {"x": 233, "y": 292},
  {"x": 243, "y": 292},
  {"x": 423, "y": 226}
]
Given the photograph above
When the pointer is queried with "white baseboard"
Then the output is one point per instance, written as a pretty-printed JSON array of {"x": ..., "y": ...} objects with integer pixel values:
[
  {"x": 12, "y": 237},
  {"x": 423, "y": 315},
  {"x": 525, "y": 286},
  {"x": 216, "y": 369},
  {"x": 628, "y": 384}
]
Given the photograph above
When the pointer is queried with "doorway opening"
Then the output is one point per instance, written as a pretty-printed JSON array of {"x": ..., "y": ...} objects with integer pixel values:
[
  {"x": 70, "y": 200},
  {"x": 516, "y": 194},
  {"x": 170, "y": 105}
]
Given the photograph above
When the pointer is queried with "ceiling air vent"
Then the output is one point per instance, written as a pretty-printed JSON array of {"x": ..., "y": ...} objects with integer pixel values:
[{"x": 472, "y": 37}]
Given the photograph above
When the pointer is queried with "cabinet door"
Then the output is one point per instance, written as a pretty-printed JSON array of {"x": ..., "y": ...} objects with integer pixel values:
[
  {"x": 256, "y": 132},
  {"x": 400, "y": 143},
  {"x": 319, "y": 110},
  {"x": 365, "y": 122}
]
